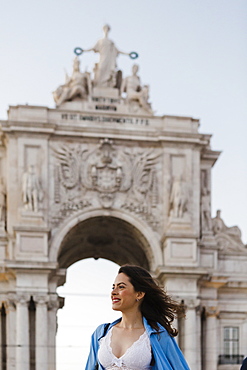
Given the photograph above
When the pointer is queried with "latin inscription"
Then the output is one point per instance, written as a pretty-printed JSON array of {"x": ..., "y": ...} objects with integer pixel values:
[{"x": 80, "y": 117}]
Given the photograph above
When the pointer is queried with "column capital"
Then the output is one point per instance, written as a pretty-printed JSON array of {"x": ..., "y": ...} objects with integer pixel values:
[
  {"x": 212, "y": 311},
  {"x": 192, "y": 303},
  {"x": 22, "y": 299},
  {"x": 10, "y": 301},
  {"x": 54, "y": 303},
  {"x": 41, "y": 299}
]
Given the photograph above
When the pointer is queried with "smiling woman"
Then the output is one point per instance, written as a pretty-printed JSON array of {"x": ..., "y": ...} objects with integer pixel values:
[{"x": 145, "y": 327}]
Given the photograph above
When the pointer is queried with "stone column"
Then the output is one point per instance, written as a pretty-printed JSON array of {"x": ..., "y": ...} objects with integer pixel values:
[
  {"x": 175, "y": 325},
  {"x": 1, "y": 333},
  {"x": 191, "y": 344},
  {"x": 198, "y": 337},
  {"x": 22, "y": 334},
  {"x": 211, "y": 349},
  {"x": 41, "y": 329},
  {"x": 53, "y": 306},
  {"x": 11, "y": 331}
]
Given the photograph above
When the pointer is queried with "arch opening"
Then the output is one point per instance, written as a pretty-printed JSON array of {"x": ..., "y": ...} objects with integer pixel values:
[{"x": 105, "y": 237}]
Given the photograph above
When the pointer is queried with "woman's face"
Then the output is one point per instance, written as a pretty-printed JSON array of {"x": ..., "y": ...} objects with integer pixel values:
[{"x": 124, "y": 297}]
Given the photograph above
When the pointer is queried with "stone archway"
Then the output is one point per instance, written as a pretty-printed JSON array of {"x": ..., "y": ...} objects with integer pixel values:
[
  {"x": 115, "y": 240},
  {"x": 119, "y": 238}
]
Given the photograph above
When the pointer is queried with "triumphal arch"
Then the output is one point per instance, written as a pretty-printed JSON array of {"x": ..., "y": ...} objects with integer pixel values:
[{"x": 100, "y": 175}]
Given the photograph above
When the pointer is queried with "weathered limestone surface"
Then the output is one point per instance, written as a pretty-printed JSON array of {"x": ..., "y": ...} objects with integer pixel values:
[{"x": 101, "y": 160}]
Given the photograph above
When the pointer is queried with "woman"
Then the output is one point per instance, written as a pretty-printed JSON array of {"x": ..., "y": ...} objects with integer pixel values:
[
  {"x": 144, "y": 337},
  {"x": 244, "y": 364}
]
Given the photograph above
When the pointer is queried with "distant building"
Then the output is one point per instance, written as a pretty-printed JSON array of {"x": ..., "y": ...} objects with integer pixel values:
[{"x": 102, "y": 176}]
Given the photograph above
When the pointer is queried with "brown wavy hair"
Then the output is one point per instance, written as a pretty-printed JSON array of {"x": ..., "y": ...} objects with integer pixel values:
[{"x": 156, "y": 306}]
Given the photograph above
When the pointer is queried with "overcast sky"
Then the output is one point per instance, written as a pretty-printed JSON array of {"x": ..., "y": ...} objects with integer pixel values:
[{"x": 193, "y": 54}]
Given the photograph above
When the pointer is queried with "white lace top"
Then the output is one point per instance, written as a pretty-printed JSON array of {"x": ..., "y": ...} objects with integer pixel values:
[{"x": 137, "y": 357}]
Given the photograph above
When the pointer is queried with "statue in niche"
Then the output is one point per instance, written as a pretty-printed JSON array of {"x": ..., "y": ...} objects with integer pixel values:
[
  {"x": 2, "y": 201},
  {"x": 206, "y": 210},
  {"x": 105, "y": 71},
  {"x": 78, "y": 86},
  {"x": 135, "y": 92},
  {"x": 178, "y": 198},
  {"x": 31, "y": 190}
]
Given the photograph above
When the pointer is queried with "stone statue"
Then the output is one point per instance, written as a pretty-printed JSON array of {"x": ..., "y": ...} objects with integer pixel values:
[
  {"x": 76, "y": 86},
  {"x": 178, "y": 198},
  {"x": 105, "y": 69},
  {"x": 31, "y": 190},
  {"x": 228, "y": 238},
  {"x": 206, "y": 210},
  {"x": 220, "y": 227},
  {"x": 2, "y": 201},
  {"x": 134, "y": 91}
]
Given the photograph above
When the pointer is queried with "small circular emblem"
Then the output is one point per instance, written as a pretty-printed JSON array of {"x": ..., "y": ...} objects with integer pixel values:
[
  {"x": 78, "y": 51},
  {"x": 133, "y": 55}
]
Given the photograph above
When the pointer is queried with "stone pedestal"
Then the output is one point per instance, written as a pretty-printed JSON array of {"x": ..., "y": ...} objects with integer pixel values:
[{"x": 108, "y": 92}]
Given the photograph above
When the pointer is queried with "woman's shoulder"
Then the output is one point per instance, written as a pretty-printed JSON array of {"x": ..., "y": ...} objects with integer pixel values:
[
  {"x": 102, "y": 329},
  {"x": 160, "y": 329}
]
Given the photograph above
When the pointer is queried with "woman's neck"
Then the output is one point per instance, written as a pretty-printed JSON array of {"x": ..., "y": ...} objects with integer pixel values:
[{"x": 131, "y": 320}]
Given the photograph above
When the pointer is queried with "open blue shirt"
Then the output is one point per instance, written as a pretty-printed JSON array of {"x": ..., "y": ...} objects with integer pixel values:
[{"x": 166, "y": 353}]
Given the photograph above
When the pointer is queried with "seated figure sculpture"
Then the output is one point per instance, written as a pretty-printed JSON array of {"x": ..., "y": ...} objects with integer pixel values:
[
  {"x": 135, "y": 92},
  {"x": 76, "y": 86}
]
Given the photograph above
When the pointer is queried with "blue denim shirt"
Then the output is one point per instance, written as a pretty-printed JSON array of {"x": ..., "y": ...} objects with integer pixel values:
[{"x": 166, "y": 353}]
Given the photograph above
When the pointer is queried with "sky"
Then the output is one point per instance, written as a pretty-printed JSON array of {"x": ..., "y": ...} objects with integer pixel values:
[{"x": 193, "y": 54}]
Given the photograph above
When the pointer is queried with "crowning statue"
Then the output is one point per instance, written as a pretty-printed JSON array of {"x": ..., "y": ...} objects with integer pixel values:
[
  {"x": 76, "y": 86},
  {"x": 105, "y": 69},
  {"x": 134, "y": 91},
  {"x": 107, "y": 80}
]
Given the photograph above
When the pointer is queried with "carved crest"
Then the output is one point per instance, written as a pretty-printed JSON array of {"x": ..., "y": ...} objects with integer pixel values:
[
  {"x": 123, "y": 178},
  {"x": 106, "y": 174}
]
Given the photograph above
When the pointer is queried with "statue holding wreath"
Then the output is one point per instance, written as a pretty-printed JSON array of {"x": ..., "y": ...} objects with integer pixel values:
[{"x": 105, "y": 71}]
